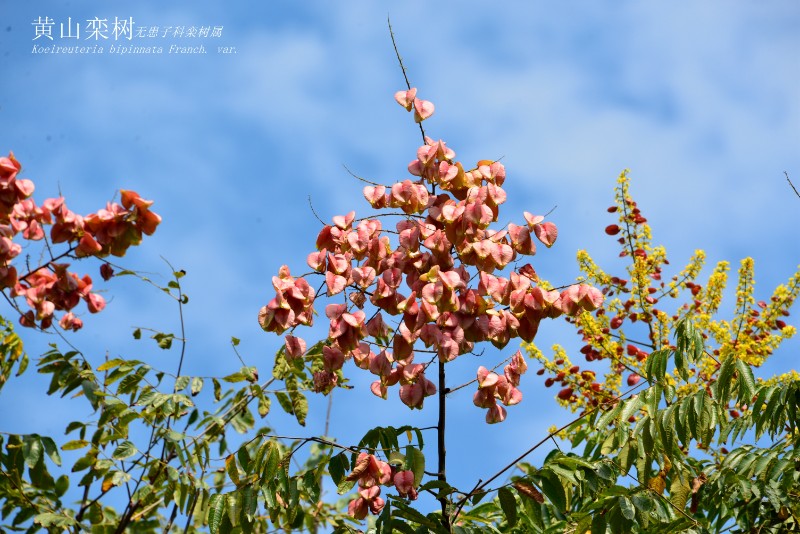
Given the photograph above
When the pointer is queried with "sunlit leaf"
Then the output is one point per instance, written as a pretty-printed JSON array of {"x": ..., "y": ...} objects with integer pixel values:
[
  {"x": 124, "y": 450},
  {"x": 216, "y": 511}
]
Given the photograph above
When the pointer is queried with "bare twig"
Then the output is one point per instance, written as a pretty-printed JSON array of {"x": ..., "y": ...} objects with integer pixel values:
[
  {"x": 357, "y": 177},
  {"x": 403, "y": 68},
  {"x": 328, "y": 413},
  {"x": 310, "y": 205},
  {"x": 790, "y": 183},
  {"x": 478, "y": 487}
]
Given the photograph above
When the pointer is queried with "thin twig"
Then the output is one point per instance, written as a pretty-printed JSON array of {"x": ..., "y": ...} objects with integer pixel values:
[
  {"x": 657, "y": 494},
  {"x": 454, "y": 389},
  {"x": 403, "y": 68},
  {"x": 190, "y": 512},
  {"x": 541, "y": 442},
  {"x": 357, "y": 177},
  {"x": 310, "y": 205},
  {"x": 790, "y": 183},
  {"x": 328, "y": 413}
]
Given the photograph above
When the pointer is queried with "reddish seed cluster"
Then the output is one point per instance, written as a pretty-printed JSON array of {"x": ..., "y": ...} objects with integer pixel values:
[
  {"x": 493, "y": 387},
  {"x": 420, "y": 282},
  {"x": 573, "y": 379},
  {"x": 292, "y": 305},
  {"x": 371, "y": 474},
  {"x": 52, "y": 287}
]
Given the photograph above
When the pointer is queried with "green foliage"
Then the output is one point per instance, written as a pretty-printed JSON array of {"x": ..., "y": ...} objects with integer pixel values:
[
  {"x": 11, "y": 352},
  {"x": 704, "y": 447},
  {"x": 680, "y": 477},
  {"x": 149, "y": 439},
  {"x": 669, "y": 470}
]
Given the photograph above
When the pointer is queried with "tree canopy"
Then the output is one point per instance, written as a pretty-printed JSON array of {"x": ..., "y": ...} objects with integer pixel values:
[{"x": 673, "y": 429}]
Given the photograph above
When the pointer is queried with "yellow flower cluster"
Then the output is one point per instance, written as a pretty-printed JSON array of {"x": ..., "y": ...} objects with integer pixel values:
[{"x": 632, "y": 323}]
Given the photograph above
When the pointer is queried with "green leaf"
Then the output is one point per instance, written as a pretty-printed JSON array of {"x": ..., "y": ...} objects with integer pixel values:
[
  {"x": 626, "y": 457},
  {"x": 249, "y": 502},
  {"x": 271, "y": 460},
  {"x": 234, "y": 507},
  {"x": 415, "y": 461},
  {"x": 299, "y": 406},
  {"x": 604, "y": 420},
  {"x": 120, "y": 477},
  {"x": 644, "y": 502},
  {"x": 311, "y": 485},
  {"x": 724, "y": 380},
  {"x": 344, "y": 486},
  {"x": 747, "y": 383},
  {"x": 599, "y": 524},
  {"x": 234, "y": 378},
  {"x": 653, "y": 399},
  {"x": 51, "y": 520},
  {"x": 605, "y": 471},
  {"x": 509, "y": 505},
  {"x": 245, "y": 461},
  {"x": 264, "y": 403},
  {"x": 181, "y": 382},
  {"x": 679, "y": 492},
  {"x": 111, "y": 364},
  {"x": 281, "y": 368},
  {"x": 90, "y": 391},
  {"x": 631, "y": 407},
  {"x": 407, "y": 512},
  {"x": 86, "y": 461},
  {"x": 437, "y": 484},
  {"x": 216, "y": 511},
  {"x": 232, "y": 469},
  {"x": 285, "y": 402},
  {"x": 197, "y": 385},
  {"x": 553, "y": 490},
  {"x": 74, "y": 445},
  {"x": 137, "y": 334},
  {"x": 164, "y": 340},
  {"x": 125, "y": 450},
  {"x": 31, "y": 449},
  {"x": 51, "y": 449},
  {"x": 656, "y": 365},
  {"x": 337, "y": 466},
  {"x": 384, "y": 523},
  {"x": 627, "y": 509},
  {"x": 62, "y": 485},
  {"x": 680, "y": 365},
  {"x": 23, "y": 364},
  {"x": 396, "y": 458}
]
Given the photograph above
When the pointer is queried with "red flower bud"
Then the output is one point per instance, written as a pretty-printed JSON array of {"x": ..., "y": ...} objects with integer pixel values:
[{"x": 565, "y": 393}]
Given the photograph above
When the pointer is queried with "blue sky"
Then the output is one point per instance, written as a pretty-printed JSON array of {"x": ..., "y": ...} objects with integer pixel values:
[{"x": 699, "y": 100}]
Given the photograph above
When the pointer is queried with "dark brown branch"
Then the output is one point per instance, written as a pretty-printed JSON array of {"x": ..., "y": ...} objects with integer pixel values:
[
  {"x": 440, "y": 435},
  {"x": 481, "y": 485}
]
